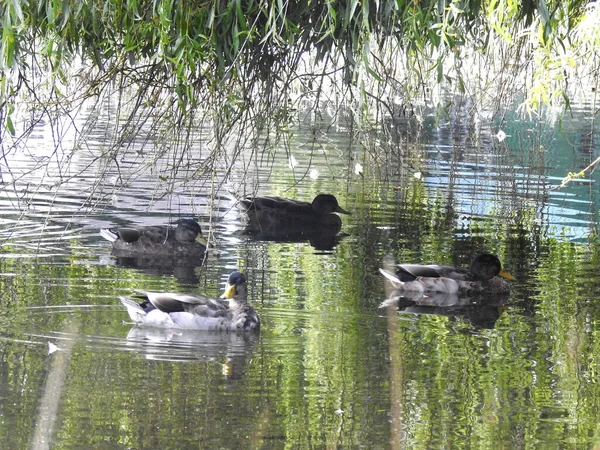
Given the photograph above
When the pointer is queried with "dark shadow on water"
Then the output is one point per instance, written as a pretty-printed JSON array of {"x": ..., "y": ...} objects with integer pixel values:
[{"x": 319, "y": 240}]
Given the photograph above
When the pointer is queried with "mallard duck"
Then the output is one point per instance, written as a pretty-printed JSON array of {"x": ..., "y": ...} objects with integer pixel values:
[
  {"x": 196, "y": 312},
  {"x": 485, "y": 274},
  {"x": 282, "y": 215},
  {"x": 184, "y": 240}
]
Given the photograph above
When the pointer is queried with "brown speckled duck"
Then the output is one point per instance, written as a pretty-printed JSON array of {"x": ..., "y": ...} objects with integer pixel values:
[{"x": 184, "y": 240}]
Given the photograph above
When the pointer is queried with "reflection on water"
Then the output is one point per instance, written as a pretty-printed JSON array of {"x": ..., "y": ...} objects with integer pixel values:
[
  {"x": 184, "y": 269},
  {"x": 482, "y": 312},
  {"x": 318, "y": 239},
  {"x": 188, "y": 345},
  {"x": 329, "y": 368}
]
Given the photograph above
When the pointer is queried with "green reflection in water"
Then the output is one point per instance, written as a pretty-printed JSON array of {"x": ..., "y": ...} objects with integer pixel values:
[{"x": 329, "y": 368}]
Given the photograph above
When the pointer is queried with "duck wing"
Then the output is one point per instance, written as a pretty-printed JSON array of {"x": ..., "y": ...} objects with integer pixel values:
[
  {"x": 128, "y": 234},
  {"x": 196, "y": 304},
  {"x": 426, "y": 285},
  {"x": 155, "y": 234},
  {"x": 431, "y": 271},
  {"x": 278, "y": 203}
]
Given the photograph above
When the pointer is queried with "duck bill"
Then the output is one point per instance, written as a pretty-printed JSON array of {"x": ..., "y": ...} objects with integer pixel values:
[
  {"x": 340, "y": 210},
  {"x": 505, "y": 274},
  {"x": 229, "y": 291},
  {"x": 201, "y": 239}
]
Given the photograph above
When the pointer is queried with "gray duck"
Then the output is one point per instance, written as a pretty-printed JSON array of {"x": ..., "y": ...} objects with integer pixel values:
[
  {"x": 485, "y": 274},
  {"x": 196, "y": 312}
]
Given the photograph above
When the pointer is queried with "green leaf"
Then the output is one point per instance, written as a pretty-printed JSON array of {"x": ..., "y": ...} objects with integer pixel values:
[
  {"x": 543, "y": 10},
  {"x": 350, "y": 11},
  {"x": 50, "y": 13},
  {"x": 16, "y": 7},
  {"x": 66, "y": 13},
  {"x": 10, "y": 126},
  {"x": 8, "y": 45}
]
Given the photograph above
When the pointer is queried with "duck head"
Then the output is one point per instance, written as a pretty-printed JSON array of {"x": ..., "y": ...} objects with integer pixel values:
[
  {"x": 486, "y": 266},
  {"x": 188, "y": 231},
  {"x": 326, "y": 204},
  {"x": 236, "y": 286}
]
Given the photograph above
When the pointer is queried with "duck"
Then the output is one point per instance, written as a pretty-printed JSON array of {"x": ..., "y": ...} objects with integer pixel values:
[
  {"x": 184, "y": 240},
  {"x": 230, "y": 312},
  {"x": 484, "y": 275},
  {"x": 274, "y": 214},
  {"x": 321, "y": 205}
]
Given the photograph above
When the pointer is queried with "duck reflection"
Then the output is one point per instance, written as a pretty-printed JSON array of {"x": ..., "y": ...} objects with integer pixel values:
[
  {"x": 182, "y": 268},
  {"x": 324, "y": 239},
  {"x": 322, "y": 235},
  {"x": 232, "y": 350},
  {"x": 482, "y": 311}
]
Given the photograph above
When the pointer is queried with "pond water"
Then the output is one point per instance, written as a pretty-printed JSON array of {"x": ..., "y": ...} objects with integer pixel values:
[{"x": 329, "y": 368}]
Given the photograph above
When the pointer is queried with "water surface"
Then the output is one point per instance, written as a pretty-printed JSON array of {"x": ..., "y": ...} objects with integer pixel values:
[{"x": 329, "y": 368}]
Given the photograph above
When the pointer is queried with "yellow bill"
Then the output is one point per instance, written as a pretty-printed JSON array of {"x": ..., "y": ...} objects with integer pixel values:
[
  {"x": 506, "y": 275},
  {"x": 229, "y": 292}
]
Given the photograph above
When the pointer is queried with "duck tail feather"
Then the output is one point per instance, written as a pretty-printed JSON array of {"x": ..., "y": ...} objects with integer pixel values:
[
  {"x": 396, "y": 282},
  {"x": 108, "y": 235},
  {"x": 245, "y": 204},
  {"x": 135, "y": 311}
]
